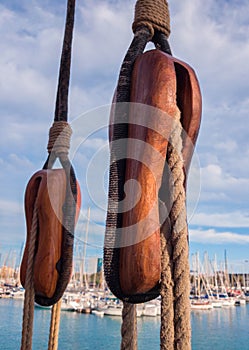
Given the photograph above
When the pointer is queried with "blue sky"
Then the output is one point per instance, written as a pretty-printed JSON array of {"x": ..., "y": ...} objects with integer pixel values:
[{"x": 211, "y": 36}]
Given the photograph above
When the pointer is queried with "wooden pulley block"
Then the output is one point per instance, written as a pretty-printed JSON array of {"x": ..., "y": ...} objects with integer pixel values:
[
  {"x": 46, "y": 188},
  {"x": 171, "y": 86}
]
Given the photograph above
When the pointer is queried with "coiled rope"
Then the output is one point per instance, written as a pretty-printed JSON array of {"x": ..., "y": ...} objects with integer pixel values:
[
  {"x": 151, "y": 22},
  {"x": 153, "y": 15},
  {"x": 58, "y": 147}
]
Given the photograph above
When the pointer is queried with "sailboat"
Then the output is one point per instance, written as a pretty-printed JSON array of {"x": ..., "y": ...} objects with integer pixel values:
[{"x": 198, "y": 303}]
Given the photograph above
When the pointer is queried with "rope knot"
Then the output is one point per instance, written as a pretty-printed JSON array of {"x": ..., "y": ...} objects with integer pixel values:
[
  {"x": 153, "y": 14},
  {"x": 59, "y": 138}
]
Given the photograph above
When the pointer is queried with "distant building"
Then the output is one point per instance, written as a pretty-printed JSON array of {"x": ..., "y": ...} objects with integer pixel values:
[{"x": 99, "y": 264}]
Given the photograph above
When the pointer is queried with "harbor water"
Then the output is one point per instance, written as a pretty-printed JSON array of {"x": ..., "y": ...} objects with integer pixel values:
[{"x": 219, "y": 329}]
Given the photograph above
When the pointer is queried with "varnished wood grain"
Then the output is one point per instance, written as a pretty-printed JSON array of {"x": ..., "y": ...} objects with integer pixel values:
[
  {"x": 153, "y": 84},
  {"x": 49, "y": 187},
  {"x": 167, "y": 84}
]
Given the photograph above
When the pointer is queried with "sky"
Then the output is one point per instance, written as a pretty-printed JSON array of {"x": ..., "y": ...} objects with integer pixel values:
[{"x": 211, "y": 36}]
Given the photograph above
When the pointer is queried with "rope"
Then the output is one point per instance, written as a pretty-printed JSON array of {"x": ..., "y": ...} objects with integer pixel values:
[
  {"x": 61, "y": 107},
  {"x": 179, "y": 238},
  {"x": 58, "y": 146},
  {"x": 154, "y": 14},
  {"x": 129, "y": 327},
  {"x": 28, "y": 308},
  {"x": 54, "y": 326},
  {"x": 176, "y": 249},
  {"x": 167, "y": 296},
  {"x": 59, "y": 138}
]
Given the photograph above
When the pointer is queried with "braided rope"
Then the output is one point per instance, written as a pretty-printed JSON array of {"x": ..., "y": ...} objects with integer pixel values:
[
  {"x": 153, "y": 14},
  {"x": 54, "y": 326},
  {"x": 28, "y": 308},
  {"x": 179, "y": 241},
  {"x": 167, "y": 297},
  {"x": 129, "y": 327},
  {"x": 61, "y": 106}
]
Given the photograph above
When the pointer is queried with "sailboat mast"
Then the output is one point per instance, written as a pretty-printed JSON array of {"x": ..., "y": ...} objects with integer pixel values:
[{"x": 84, "y": 247}]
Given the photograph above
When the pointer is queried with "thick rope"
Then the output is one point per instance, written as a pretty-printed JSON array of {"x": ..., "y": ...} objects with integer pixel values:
[
  {"x": 167, "y": 296},
  {"x": 129, "y": 327},
  {"x": 154, "y": 14},
  {"x": 28, "y": 308},
  {"x": 54, "y": 326},
  {"x": 61, "y": 107},
  {"x": 179, "y": 241}
]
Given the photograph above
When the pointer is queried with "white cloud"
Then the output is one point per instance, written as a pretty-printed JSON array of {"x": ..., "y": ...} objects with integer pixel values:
[
  {"x": 24, "y": 86},
  {"x": 216, "y": 182},
  {"x": 212, "y": 237},
  {"x": 30, "y": 41},
  {"x": 228, "y": 219},
  {"x": 227, "y": 146},
  {"x": 96, "y": 143},
  {"x": 205, "y": 35},
  {"x": 102, "y": 36},
  {"x": 10, "y": 207},
  {"x": 14, "y": 168}
]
